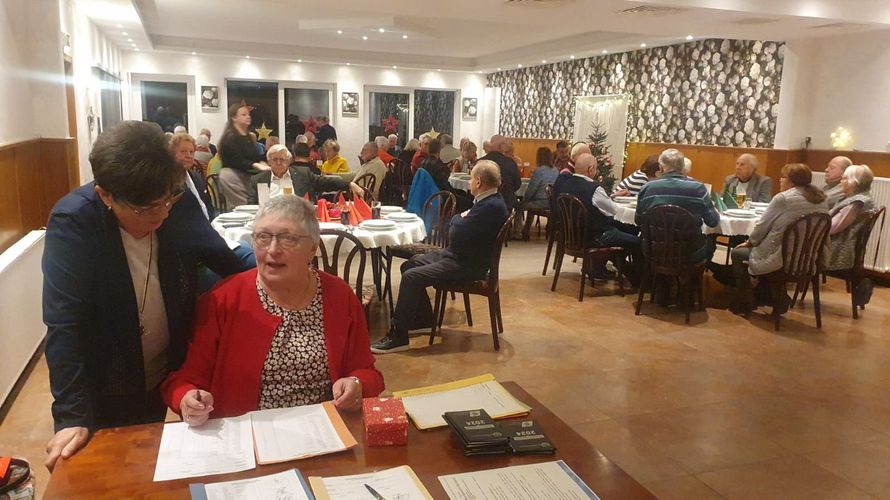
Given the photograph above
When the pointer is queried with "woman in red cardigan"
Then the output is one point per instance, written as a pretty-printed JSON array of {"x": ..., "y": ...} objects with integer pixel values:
[{"x": 279, "y": 336}]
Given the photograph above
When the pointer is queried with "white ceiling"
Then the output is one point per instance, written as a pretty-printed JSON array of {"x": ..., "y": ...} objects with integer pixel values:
[{"x": 464, "y": 34}]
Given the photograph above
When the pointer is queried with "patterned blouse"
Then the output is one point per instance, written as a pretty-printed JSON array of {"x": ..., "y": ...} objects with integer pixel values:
[{"x": 295, "y": 372}]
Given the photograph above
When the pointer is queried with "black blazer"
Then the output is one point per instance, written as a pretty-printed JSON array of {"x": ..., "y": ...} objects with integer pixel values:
[
  {"x": 304, "y": 181},
  {"x": 471, "y": 238},
  {"x": 201, "y": 186},
  {"x": 510, "y": 178},
  {"x": 93, "y": 347}
]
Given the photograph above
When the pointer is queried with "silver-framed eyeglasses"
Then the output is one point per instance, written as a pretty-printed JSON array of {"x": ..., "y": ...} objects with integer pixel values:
[{"x": 287, "y": 241}]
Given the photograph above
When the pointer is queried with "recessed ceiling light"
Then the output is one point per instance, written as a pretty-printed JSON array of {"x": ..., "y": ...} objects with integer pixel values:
[
  {"x": 689, "y": 37},
  {"x": 642, "y": 45},
  {"x": 130, "y": 40},
  {"x": 124, "y": 33},
  {"x": 247, "y": 57},
  {"x": 572, "y": 56},
  {"x": 499, "y": 69},
  {"x": 364, "y": 37},
  {"x": 299, "y": 60},
  {"x": 395, "y": 67},
  {"x": 119, "y": 25},
  {"x": 136, "y": 49},
  {"x": 347, "y": 64},
  {"x": 543, "y": 61},
  {"x": 518, "y": 65},
  {"x": 605, "y": 51},
  {"x": 438, "y": 69},
  {"x": 381, "y": 30},
  {"x": 339, "y": 32},
  {"x": 194, "y": 53},
  {"x": 404, "y": 37},
  {"x": 479, "y": 72}
]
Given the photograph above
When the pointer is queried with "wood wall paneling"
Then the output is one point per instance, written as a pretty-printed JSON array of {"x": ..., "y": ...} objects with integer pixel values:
[
  {"x": 879, "y": 162},
  {"x": 36, "y": 175}
]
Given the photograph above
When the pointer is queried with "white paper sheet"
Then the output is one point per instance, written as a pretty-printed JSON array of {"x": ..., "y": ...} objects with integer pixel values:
[
  {"x": 287, "y": 433},
  {"x": 282, "y": 486},
  {"x": 544, "y": 481},
  {"x": 396, "y": 483},
  {"x": 426, "y": 409},
  {"x": 219, "y": 446}
]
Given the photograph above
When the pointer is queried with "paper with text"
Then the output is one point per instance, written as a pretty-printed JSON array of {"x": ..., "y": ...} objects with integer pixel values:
[
  {"x": 287, "y": 485},
  {"x": 425, "y": 406},
  {"x": 219, "y": 446},
  {"x": 289, "y": 433},
  {"x": 544, "y": 481},
  {"x": 398, "y": 483}
]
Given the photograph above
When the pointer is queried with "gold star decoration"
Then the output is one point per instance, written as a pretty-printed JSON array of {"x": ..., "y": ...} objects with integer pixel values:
[
  {"x": 432, "y": 133},
  {"x": 263, "y": 132}
]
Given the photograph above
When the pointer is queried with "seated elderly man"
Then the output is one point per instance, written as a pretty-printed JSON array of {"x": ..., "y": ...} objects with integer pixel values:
[
  {"x": 757, "y": 188},
  {"x": 472, "y": 238},
  {"x": 510, "y": 179},
  {"x": 674, "y": 188},
  {"x": 284, "y": 177},
  {"x": 393, "y": 148},
  {"x": 834, "y": 172},
  {"x": 382, "y": 145},
  {"x": 371, "y": 164}
]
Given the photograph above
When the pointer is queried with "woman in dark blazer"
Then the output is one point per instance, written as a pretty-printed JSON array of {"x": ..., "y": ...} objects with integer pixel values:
[{"x": 120, "y": 268}]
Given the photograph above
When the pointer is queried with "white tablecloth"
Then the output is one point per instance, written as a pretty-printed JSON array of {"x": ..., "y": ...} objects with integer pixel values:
[
  {"x": 459, "y": 183},
  {"x": 729, "y": 226},
  {"x": 404, "y": 232}
]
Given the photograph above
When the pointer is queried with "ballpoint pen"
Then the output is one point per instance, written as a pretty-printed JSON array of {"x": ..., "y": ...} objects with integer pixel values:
[{"x": 373, "y": 492}]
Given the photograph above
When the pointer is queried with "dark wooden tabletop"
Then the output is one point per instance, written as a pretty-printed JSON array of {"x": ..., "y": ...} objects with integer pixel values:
[{"x": 120, "y": 462}]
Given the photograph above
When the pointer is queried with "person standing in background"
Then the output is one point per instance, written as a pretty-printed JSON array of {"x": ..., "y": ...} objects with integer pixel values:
[{"x": 325, "y": 132}]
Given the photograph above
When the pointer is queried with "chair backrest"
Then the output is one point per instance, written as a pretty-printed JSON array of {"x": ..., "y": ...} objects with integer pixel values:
[
  {"x": 548, "y": 188},
  {"x": 495, "y": 266},
  {"x": 865, "y": 225},
  {"x": 368, "y": 182},
  {"x": 438, "y": 210},
  {"x": 214, "y": 165},
  {"x": 572, "y": 215},
  {"x": 802, "y": 244},
  {"x": 216, "y": 197},
  {"x": 353, "y": 254},
  {"x": 669, "y": 236},
  {"x": 402, "y": 171},
  {"x": 390, "y": 192}
]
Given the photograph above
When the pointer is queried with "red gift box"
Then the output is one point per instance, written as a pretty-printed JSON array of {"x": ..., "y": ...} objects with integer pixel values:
[{"x": 385, "y": 422}]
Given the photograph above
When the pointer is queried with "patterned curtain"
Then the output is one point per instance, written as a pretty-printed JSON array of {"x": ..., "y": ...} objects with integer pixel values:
[
  {"x": 433, "y": 109},
  {"x": 388, "y": 115},
  {"x": 262, "y": 98}
]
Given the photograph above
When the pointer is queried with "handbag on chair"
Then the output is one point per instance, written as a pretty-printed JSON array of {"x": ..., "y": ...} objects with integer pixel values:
[{"x": 16, "y": 479}]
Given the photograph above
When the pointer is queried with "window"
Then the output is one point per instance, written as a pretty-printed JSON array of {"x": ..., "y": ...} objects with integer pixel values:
[
  {"x": 388, "y": 115},
  {"x": 262, "y": 99},
  {"x": 165, "y": 103},
  {"x": 301, "y": 106},
  {"x": 433, "y": 110},
  {"x": 109, "y": 98}
]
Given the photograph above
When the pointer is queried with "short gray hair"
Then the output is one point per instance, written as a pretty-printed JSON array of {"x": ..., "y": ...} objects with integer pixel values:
[
  {"x": 179, "y": 129},
  {"x": 425, "y": 138},
  {"x": 373, "y": 146},
  {"x": 413, "y": 144},
  {"x": 748, "y": 157},
  {"x": 276, "y": 149},
  {"x": 671, "y": 160},
  {"x": 861, "y": 176},
  {"x": 488, "y": 173},
  {"x": 392, "y": 136},
  {"x": 295, "y": 209},
  {"x": 381, "y": 142},
  {"x": 202, "y": 141},
  {"x": 302, "y": 139},
  {"x": 687, "y": 166}
]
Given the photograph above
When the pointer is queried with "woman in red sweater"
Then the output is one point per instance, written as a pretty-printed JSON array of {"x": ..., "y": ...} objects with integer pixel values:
[{"x": 279, "y": 336}]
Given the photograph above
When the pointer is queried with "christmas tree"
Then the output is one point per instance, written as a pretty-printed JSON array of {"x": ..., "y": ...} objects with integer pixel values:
[{"x": 599, "y": 149}]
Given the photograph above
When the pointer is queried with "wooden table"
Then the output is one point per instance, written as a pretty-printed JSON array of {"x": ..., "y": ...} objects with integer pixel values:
[{"x": 120, "y": 462}]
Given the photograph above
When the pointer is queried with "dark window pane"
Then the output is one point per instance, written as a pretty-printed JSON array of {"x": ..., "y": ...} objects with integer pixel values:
[
  {"x": 388, "y": 115},
  {"x": 110, "y": 96},
  {"x": 301, "y": 106},
  {"x": 433, "y": 109},
  {"x": 165, "y": 103},
  {"x": 262, "y": 97}
]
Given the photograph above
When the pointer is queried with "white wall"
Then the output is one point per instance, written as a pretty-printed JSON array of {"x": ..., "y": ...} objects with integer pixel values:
[
  {"x": 31, "y": 84},
  {"x": 840, "y": 81},
  {"x": 89, "y": 48},
  {"x": 352, "y": 132}
]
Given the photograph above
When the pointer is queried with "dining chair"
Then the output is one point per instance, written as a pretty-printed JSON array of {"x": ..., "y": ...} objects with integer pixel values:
[
  {"x": 347, "y": 258},
  {"x": 537, "y": 213},
  {"x": 367, "y": 181},
  {"x": 488, "y": 287},
  {"x": 216, "y": 196},
  {"x": 670, "y": 234}
]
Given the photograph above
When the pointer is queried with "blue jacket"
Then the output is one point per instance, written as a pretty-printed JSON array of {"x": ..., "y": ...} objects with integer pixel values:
[
  {"x": 93, "y": 347},
  {"x": 422, "y": 187},
  {"x": 472, "y": 237}
]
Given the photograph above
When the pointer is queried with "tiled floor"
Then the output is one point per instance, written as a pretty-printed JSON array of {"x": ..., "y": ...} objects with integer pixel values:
[{"x": 724, "y": 407}]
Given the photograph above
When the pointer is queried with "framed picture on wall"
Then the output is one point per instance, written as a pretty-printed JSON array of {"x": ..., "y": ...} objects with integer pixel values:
[
  {"x": 209, "y": 98},
  {"x": 470, "y": 108},
  {"x": 350, "y": 103}
]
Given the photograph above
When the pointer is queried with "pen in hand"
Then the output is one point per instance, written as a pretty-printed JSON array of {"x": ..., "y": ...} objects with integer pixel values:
[{"x": 198, "y": 396}]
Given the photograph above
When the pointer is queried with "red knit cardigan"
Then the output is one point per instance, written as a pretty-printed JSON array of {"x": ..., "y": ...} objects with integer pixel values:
[{"x": 233, "y": 333}]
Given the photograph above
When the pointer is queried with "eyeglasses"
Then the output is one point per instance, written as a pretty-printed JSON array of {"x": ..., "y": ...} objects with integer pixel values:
[
  {"x": 286, "y": 241},
  {"x": 159, "y": 207}
]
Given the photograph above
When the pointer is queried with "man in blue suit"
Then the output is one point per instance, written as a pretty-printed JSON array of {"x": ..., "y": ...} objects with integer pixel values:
[{"x": 472, "y": 235}]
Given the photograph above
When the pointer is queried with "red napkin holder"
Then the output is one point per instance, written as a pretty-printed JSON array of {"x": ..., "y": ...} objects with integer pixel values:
[{"x": 386, "y": 423}]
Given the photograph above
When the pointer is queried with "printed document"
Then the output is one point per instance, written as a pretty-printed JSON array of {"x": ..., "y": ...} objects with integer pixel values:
[
  {"x": 544, "y": 481},
  {"x": 219, "y": 446}
]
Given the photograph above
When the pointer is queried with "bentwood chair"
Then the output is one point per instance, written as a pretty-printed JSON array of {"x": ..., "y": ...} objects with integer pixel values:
[
  {"x": 537, "y": 213},
  {"x": 437, "y": 211},
  {"x": 347, "y": 258},
  {"x": 573, "y": 242},
  {"x": 856, "y": 274},
  {"x": 368, "y": 182},
  {"x": 216, "y": 197},
  {"x": 670, "y": 234},
  {"x": 488, "y": 287}
]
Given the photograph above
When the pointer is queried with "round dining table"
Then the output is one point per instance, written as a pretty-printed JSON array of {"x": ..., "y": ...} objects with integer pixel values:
[
  {"x": 728, "y": 226},
  {"x": 462, "y": 181}
]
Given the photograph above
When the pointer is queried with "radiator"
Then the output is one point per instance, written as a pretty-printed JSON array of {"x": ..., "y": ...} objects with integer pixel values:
[
  {"x": 21, "y": 289},
  {"x": 876, "y": 259}
]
